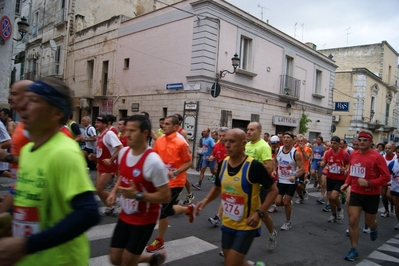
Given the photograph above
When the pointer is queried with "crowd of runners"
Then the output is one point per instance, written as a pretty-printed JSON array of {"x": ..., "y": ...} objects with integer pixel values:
[{"x": 51, "y": 201}]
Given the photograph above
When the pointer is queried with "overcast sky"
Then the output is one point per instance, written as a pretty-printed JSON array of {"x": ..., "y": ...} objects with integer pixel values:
[{"x": 327, "y": 23}]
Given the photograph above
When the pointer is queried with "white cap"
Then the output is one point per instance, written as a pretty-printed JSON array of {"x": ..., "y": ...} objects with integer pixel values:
[{"x": 274, "y": 139}]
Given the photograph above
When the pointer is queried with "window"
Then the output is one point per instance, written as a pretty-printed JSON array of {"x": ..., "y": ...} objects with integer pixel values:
[
  {"x": 387, "y": 107},
  {"x": 105, "y": 78},
  {"x": 126, "y": 63},
  {"x": 245, "y": 53},
  {"x": 317, "y": 87},
  {"x": 90, "y": 72},
  {"x": 57, "y": 58},
  {"x": 18, "y": 7}
]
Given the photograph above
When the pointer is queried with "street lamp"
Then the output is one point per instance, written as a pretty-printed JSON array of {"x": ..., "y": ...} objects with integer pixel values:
[
  {"x": 235, "y": 61},
  {"x": 23, "y": 26}
]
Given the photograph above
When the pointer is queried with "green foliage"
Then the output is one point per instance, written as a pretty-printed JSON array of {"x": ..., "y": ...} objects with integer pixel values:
[{"x": 303, "y": 123}]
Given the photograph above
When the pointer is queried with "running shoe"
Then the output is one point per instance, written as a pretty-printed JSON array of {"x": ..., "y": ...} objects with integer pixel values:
[
  {"x": 320, "y": 201},
  {"x": 109, "y": 211},
  {"x": 340, "y": 214},
  {"x": 189, "y": 198},
  {"x": 327, "y": 208},
  {"x": 385, "y": 214},
  {"x": 271, "y": 243},
  {"x": 396, "y": 227},
  {"x": 374, "y": 234},
  {"x": 196, "y": 186},
  {"x": 347, "y": 232},
  {"x": 259, "y": 263},
  {"x": 305, "y": 195},
  {"x": 306, "y": 182},
  {"x": 273, "y": 208},
  {"x": 156, "y": 245},
  {"x": 352, "y": 255},
  {"x": 286, "y": 226},
  {"x": 366, "y": 230},
  {"x": 212, "y": 178},
  {"x": 299, "y": 201},
  {"x": 343, "y": 198},
  {"x": 157, "y": 259},
  {"x": 190, "y": 213},
  {"x": 215, "y": 220},
  {"x": 333, "y": 219}
]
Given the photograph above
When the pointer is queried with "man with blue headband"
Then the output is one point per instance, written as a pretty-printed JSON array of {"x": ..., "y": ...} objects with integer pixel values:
[{"x": 54, "y": 203}]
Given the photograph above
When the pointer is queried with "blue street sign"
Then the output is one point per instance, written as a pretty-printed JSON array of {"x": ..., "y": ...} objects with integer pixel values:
[
  {"x": 341, "y": 106},
  {"x": 174, "y": 86}
]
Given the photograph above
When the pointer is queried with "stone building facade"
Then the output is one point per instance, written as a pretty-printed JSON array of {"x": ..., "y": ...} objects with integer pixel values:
[{"x": 366, "y": 86}]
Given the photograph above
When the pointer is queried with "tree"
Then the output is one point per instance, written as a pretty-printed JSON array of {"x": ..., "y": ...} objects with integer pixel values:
[{"x": 303, "y": 123}]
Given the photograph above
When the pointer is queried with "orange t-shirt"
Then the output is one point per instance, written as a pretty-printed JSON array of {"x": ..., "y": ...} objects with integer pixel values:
[
  {"x": 174, "y": 152},
  {"x": 308, "y": 151},
  {"x": 19, "y": 139}
]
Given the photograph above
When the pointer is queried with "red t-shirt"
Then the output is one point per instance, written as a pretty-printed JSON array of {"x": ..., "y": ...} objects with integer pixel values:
[
  {"x": 219, "y": 152},
  {"x": 334, "y": 162},
  {"x": 372, "y": 167}
]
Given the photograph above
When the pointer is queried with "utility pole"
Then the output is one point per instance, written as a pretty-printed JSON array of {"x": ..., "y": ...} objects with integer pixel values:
[
  {"x": 261, "y": 12},
  {"x": 347, "y": 36}
]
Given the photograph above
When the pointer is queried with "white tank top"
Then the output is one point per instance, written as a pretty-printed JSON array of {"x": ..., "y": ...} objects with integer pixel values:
[{"x": 286, "y": 165}]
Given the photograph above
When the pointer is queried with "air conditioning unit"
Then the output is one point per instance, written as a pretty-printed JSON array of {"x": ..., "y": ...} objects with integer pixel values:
[
  {"x": 84, "y": 103},
  {"x": 335, "y": 118}
]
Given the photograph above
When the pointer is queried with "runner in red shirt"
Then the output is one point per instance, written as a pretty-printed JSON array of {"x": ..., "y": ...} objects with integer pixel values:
[
  {"x": 367, "y": 174},
  {"x": 143, "y": 186},
  {"x": 335, "y": 161}
]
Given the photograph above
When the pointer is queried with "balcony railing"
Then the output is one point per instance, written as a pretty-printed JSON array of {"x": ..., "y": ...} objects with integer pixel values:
[
  {"x": 289, "y": 87},
  {"x": 52, "y": 69},
  {"x": 59, "y": 18}
]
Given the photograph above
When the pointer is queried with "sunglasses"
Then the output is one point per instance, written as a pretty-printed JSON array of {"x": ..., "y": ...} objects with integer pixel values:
[{"x": 363, "y": 140}]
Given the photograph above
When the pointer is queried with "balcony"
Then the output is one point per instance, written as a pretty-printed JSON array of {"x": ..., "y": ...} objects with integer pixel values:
[
  {"x": 30, "y": 75},
  {"x": 59, "y": 18},
  {"x": 391, "y": 123},
  {"x": 289, "y": 88},
  {"x": 52, "y": 69},
  {"x": 394, "y": 86}
]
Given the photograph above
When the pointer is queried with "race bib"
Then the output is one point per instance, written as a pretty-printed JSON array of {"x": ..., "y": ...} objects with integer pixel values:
[
  {"x": 233, "y": 206},
  {"x": 395, "y": 180},
  {"x": 26, "y": 221},
  {"x": 358, "y": 171},
  {"x": 285, "y": 170},
  {"x": 317, "y": 156},
  {"x": 129, "y": 206},
  {"x": 334, "y": 169}
]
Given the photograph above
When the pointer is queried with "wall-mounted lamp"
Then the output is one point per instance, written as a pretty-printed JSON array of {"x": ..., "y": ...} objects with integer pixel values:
[
  {"x": 23, "y": 26},
  {"x": 317, "y": 121},
  {"x": 235, "y": 61},
  {"x": 288, "y": 106},
  {"x": 372, "y": 113}
]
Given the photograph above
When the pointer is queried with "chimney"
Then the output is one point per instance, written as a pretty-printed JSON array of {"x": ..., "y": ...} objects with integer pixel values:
[{"x": 311, "y": 45}]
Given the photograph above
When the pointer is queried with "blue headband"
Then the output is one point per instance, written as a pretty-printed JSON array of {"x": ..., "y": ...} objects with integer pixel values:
[{"x": 51, "y": 95}]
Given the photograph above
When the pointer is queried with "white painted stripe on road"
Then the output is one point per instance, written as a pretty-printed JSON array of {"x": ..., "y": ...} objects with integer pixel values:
[
  {"x": 389, "y": 248},
  {"x": 104, "y": 231},
  {"x": 175, "y": 250},
  {"x": 367, "y": 263},
  {"x": 381, "y": 256},
  {"x": 393, "y": 241}
]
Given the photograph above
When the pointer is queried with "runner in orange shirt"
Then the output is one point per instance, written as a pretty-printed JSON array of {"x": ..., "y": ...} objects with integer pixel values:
[{"x": 306, "y": 154}]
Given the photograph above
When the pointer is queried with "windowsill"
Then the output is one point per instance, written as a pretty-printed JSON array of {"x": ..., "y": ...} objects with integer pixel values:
[
  {"x": 125, "y": 68},
  {"x": 246, "y": 72},
  {"x": 316, "y": 95}
]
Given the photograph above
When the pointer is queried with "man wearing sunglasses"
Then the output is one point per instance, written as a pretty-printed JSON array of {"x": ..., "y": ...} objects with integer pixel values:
[{"x": 368, "y": 172}]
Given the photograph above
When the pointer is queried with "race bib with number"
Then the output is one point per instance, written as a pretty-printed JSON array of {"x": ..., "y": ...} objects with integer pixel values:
[
  {"x": 285, "y": 170},
  {"x": 233, "y": 206},
  {"x": 317, "y": 156},
  {"x": 129, "y": 206},
  {"x": 26, "y": 221},
  {"x": 334, "y": 169},
  {"x": 358, "y": 171}
]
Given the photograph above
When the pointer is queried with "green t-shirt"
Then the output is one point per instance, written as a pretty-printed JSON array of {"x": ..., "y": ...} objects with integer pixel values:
[
  {"x": 48, "y": 179},
  {"x": 260, "y": 151}
]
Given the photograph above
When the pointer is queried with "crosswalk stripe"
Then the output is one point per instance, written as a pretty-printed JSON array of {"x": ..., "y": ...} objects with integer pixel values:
[
  {"x": 175, "y": 250},
  {"x": 367, "y": 263},
  {"x": 380, "y": 254}
]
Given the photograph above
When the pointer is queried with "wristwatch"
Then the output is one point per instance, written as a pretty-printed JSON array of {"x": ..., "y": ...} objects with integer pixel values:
[
  {"x": 175, "y": 173},
  {"x": 260, "y": 213},
  {"x": 8, "y": 158},
  {"x": 139, "y": 196}
]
